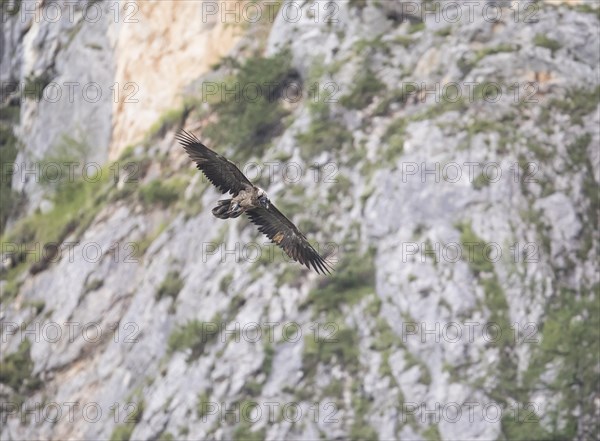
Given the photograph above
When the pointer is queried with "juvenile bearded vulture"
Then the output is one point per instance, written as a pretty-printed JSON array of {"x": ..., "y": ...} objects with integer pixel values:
[{"x": 252, "y": 200}]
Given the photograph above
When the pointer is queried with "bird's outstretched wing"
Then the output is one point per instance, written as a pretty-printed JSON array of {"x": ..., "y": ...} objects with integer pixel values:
[
  {"x": 285, "y": 234},
  {"x": 220, "y": 171}
]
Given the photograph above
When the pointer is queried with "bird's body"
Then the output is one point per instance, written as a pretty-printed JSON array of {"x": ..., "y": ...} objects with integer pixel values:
[
  {"x": 244, "y": 200},
  {"x": 251, "y": 200}
]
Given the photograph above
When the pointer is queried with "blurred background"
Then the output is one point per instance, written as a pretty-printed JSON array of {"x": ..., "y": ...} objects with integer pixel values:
[{"x": 444, "y": 154}]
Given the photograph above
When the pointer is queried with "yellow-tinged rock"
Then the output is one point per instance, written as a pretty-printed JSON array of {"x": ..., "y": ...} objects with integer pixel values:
[{"x": 171, "y": 44}]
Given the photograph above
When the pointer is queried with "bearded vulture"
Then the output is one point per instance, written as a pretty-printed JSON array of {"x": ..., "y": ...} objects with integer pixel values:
[{"x": 252, "y": 200}]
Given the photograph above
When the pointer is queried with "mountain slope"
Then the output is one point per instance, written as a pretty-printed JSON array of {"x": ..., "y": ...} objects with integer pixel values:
[{"x": 464, "y": 229}]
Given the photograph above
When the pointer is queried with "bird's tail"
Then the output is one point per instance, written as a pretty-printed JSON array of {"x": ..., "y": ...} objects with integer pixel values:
[{"x": 226, "y": 209}]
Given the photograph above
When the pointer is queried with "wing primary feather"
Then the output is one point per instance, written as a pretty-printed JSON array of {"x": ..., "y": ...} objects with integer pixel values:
[
  {"x": 221, "y": 172},
  {"x": 275, "y": 225}
]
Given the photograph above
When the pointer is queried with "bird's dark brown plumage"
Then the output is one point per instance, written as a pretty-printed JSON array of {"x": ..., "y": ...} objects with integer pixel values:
[
  {"x": 228, "y": 178},
  {"x": 221, "y": 172},
  {"x": 272, "y": 223}
]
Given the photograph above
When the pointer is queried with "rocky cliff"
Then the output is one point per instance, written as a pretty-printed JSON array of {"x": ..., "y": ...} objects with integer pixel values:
[{"x": 444, "y": 155}]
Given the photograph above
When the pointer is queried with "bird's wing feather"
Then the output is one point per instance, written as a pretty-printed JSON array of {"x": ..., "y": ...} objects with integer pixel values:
[
  {"x": 286, "y": 235},
  {"x": 221, "y": 172}
]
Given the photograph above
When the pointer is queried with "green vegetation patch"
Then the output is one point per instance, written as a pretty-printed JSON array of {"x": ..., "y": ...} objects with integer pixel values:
[
  {"x": 432, "y": 433},
  {"x": 576, "y": 104},
  {"x": 195, "y": 335},
  {"x": 8, "y": 154},
  {"x": 248, "y": 105},
  {"x": 324, "y": 133},
  {"x": 203, "y": 405},
  {"x": 481, "y": 181},
  {"x": 366, "y": 87},
  {"x": 395, "y": 136},
  {"x": 160, "y": 193},
  {"x": 468, "y": 62},
  {"x": 416, "y": 27},
  {"x": 12, "y": 7},
  {"x": 76, "y": 203},
  {"x": 353, "y": 279},
  {"x": 588, "y": 8},
  {"x": 404, "y": 41},
  {"x": 361, "y": 429},
  {"x": 341, "y": 347},
  {"x": 478, "y": 254},
  {"x": 475, "y": 251},
  {"x": 225, "y": 282},
  {"x": 399, "y": 96},
  {"x": 123, "y": 432},
  {"x": 569, "y": 340},
  {"x": 267, "y": 364},
  {"x": 170, "y": 287},
  {"x": 542, "y": 40},
  {"x": 384, "y": 340},
  {"x": 358, "y": 4},
  {"x": 16, "y": 371},
  {"x": 334, "y": 389},
  {"x": 35, "y": 85},
  {"x": 244, "y": 432},
  {"x": 169, "y": 119}
]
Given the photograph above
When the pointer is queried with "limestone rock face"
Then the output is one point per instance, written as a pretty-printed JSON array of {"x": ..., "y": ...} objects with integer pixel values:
[
  {"x": 105, "y": 72},
  {"x": 464, "y": 304},
  {"x": 159, "y": 48},
  {"x": 61, "y": 68}
]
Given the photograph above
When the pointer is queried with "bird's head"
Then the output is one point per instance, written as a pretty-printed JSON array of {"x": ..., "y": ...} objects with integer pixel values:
[{"x": 263, "y": 199}]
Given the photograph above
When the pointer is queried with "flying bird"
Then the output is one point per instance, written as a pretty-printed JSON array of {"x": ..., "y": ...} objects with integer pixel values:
[{"x": 251, "y": 200}]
